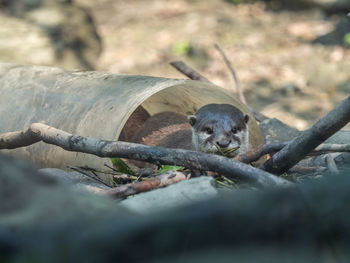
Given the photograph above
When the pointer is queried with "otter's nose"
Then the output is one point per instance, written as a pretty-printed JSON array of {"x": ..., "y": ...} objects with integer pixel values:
[{"x": 223, "y": 143}]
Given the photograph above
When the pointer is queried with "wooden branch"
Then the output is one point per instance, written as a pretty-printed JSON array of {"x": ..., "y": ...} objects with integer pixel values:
[
  {"x": 168, "y": 178},
  {"x": 192, "y": 74},
  {"x": 308, "y": 140},
  {"x": 269, "y": 148},
  {"x": 191, "y": 159},
  {"x": 187, "y": 71},
  {"x": 17, "y": 139},
  {"x": 333, "y": 147},
  {"x": 306, "y": 169},
  {"x": 255, "y": 154},
  {"x": 95, "y": 178},
  {"x": 234, "y": 75}
]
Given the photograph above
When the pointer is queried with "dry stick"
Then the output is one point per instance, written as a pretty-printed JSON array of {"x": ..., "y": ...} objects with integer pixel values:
[
  {"x": 168, "y": 178},
  {"x": 308, "y": 140},
  {"x": 110, "y": 167},
  {"x": 255, "y": 154},
  {"x": 191, "y": 159},
  {"x": 259, "y": 116},
  {"x": 187, "y": 71},
  {"x": 268, "y": 148},
  {"x": 233, "y": 72},
  {"x": 17, "y": 139},
  {"x": 333, "y": 147},
  {"x": 88, "y": 175},
  {"x": 192, "y": 74}
]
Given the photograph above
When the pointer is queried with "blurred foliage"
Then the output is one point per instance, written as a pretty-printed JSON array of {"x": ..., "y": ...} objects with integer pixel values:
[
  {"x": 166, "y": 168},
  {"x": 182, "y": 48},
  {"x": 347, "y": 39}
]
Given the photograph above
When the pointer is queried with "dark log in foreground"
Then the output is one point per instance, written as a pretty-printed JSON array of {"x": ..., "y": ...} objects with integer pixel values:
[
  {"x": 158, "y": 181},
  {"x": 190, "y": 159},
  {"x": 309, "y": 139}
]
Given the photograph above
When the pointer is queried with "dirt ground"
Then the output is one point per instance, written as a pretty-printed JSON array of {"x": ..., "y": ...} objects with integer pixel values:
[{"x": 283, "y": 72}]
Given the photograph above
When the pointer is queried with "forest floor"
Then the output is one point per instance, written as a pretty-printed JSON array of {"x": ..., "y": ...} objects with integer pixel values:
[{"x": 284, "y": 69}]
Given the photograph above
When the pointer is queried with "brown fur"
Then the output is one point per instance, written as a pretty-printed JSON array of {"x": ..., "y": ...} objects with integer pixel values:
[
  {"x": 166, "y": 129},
  {"x": 134, "y": 123},
  {"x": 159, "y": 127},
  {"x": 165, "y": 135},
  {"x": 180, "y": 139}
]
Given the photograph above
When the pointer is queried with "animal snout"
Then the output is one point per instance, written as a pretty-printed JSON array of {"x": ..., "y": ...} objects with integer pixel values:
[{"x": 223, "y": 143}]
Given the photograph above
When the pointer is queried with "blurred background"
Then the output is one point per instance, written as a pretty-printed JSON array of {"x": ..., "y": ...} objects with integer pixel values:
[{"x": 292, "y": 57}]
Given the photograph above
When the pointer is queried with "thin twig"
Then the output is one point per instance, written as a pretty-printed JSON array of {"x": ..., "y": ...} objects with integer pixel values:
[
  {"x": 86, "y": 168},
  {"x": 170, "y": 177},
  {"x": 234, "y": 75},
  {"x": 88, "y": 175},
  {"x": 332, "y": 147},
  {"x": 187, "y": 71},
  {"x": 112, "y": 168},
  {"x": 305, "y": 169}
]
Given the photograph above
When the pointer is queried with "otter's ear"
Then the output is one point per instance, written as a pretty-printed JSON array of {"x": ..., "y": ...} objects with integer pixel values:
[
  {"x": 192, "y": 119},
  {"x": 246, "y": 118}
]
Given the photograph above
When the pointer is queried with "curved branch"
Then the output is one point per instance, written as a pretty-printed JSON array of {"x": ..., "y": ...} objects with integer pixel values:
[
  {"x": 191, "y": 159},
  {"x": 234, "y": 75}
]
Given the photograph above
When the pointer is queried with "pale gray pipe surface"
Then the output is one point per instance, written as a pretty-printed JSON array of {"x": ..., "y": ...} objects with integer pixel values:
[{"x": 92, "y": 104}]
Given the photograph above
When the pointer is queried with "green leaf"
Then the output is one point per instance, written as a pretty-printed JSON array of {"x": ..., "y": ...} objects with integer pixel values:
[
  {"x": 347, "y": 39},
  {"x": 226, "y": 152},
  {"x": 122, "y": 166},
  {"x": 165, "y": 168}
]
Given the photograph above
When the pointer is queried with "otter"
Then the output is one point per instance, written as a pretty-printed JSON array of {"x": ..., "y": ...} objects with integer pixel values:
[
  {"x": 218, "y": 127},
  {"x": 212, "y": 129}
]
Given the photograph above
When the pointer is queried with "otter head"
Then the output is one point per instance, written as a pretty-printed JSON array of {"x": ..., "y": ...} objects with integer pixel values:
[{"x": 219, "y": 127}]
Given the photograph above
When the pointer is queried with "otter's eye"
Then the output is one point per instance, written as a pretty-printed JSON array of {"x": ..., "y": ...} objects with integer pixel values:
[
  {"x": 234, "y": 130},
  {"x": 208, "y": 130}
]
